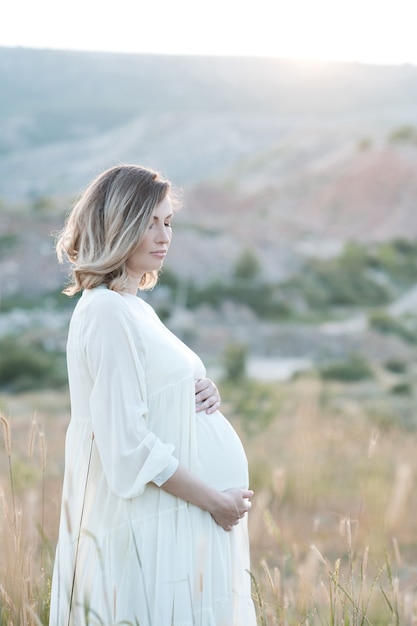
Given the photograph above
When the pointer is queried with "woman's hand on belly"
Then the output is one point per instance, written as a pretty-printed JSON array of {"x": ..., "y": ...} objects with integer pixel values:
[
  {"x": 226, "y": 507},
  {"x": 231, "y": 506},
  {"x": 207, "y": 397}
]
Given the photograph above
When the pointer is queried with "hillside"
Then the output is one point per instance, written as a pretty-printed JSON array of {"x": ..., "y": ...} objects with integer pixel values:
[
  {"x": 65, "y": 115},
  {"x": 315, "y": 150},
  {"x": 286, "y": 161}
]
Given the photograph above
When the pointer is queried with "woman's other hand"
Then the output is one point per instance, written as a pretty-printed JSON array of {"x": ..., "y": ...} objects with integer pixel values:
[
  {"x": 231, "y": 507},
  {"x": 226, "y": 507},
  {"x": 207, "y": 397}
]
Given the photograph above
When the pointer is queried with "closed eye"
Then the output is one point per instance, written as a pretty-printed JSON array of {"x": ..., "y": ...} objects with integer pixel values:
[
  {"x": 167, "y": 224},
  {"x": 161, "y": 219}
]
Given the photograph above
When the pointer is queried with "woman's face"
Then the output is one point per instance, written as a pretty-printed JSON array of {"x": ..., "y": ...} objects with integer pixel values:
[{"x": 149, "y": 254}]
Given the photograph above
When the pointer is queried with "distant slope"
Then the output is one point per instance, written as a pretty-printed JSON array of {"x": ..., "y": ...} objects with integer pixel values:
[
  {"x": 66, "y": 115},
  {"x": 286, "y": 159}
]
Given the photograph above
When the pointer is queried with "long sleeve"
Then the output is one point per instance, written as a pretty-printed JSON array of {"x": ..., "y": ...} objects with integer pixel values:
[{"x": 131, "y": 455}]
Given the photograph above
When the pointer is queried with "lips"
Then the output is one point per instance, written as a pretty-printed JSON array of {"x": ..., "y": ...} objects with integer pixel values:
[{"x": 159, "y": 253}]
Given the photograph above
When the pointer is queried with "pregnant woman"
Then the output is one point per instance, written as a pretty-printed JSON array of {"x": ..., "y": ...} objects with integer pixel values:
[{"x": 153, "y": 528}]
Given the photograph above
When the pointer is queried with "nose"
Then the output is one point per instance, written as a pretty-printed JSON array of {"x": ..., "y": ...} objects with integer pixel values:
[{"x": 164, "y": 234}]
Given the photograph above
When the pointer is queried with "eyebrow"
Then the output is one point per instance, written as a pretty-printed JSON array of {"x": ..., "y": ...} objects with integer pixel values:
[{"x": 167, "y": 217}]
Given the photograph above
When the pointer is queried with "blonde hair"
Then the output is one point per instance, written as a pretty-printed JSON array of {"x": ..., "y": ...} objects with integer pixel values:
[{"x": 105, "y": 226}]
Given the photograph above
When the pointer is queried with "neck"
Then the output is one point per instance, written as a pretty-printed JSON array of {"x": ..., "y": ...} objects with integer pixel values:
[{"x": 132, "y": 284}]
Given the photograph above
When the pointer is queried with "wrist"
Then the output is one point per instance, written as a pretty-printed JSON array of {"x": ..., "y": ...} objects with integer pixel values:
[{"x": 216, "y": 501}]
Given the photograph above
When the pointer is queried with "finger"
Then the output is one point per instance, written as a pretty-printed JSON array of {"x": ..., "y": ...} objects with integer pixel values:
[
  {"x": 204, "y": 395},
  {"x": 206, "y": 405},
  {"x": 209, "y": 404},
  {"x": 212, "y": 404},
  {"x": 201, "y": 384},
  {"x": 205, "y": 387},
  {"x": 247, "y": 493},
  {"x": 213, "y": 408},
  {"x": 207, "y": 395}
]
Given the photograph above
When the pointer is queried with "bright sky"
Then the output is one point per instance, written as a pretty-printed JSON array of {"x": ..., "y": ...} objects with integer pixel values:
[{"x": 369, "y": 31}]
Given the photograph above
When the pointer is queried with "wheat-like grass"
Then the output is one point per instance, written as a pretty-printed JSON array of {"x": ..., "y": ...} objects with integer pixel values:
[
  {"x": 7, "y": 439},
  {"x": 303, "y": 572},
  {"x": 24, "y": 589}
]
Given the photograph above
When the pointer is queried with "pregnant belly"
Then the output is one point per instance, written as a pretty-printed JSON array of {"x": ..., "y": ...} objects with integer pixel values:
[{"x": 222, "y": 459}]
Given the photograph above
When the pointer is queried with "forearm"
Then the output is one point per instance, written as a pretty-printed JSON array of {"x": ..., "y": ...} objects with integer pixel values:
[
  {"x": 226, "y": 507},
  {"x": 189, "y": 487}
]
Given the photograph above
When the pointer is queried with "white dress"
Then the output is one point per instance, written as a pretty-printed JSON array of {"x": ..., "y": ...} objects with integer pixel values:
[{"x": 128, "y": 552}]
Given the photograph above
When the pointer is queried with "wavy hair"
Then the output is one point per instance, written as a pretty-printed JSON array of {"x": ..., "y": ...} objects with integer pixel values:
[{"x": 106, "y": 224}]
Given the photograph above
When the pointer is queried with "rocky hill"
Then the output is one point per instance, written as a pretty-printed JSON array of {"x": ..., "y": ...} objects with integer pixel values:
[
  {"x": 286, "y": 159},
  {"x": 65, "y": 115}
]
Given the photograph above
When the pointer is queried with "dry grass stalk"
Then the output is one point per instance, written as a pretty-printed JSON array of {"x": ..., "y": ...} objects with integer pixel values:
[
  {"x": 23, "y": 589},
  {"x": 32, "y": 437},
  {"x": 280, "y": 504},
  {"x": 42, "y": 445},
  {"x": 373, "y": 443},
  {"x": 399, "y": 499},
  {"x": 7, "y": 438}
]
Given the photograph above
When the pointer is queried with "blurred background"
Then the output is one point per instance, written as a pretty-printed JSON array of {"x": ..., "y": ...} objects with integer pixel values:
[
  {"x": 298, "y": 181},
  {"x": 291, "y": 134}
]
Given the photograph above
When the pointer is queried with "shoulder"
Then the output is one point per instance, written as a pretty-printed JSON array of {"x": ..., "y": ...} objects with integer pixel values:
[
  {"x": 101, "y": 297},
  {"x": 101, "y": 304},
  {"x": 103, "y": 307}
]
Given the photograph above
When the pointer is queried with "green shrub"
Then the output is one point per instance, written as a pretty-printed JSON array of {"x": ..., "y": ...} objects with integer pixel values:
[
  {"x": 354, "y": 368},
  {"x": 361, "y": 276},
  {"x": 370, "y": 275},
  {"x": 364, "y": 143},
  {"x": 404, "y": 327},
  {"x": 234, "y": 361},
  {"x": 247, "y": 266},
  {"x": 7, "y": 243},
  {"x": 346, "y": 280},
  {"x": 52, "y": 300},
  {"x": 396, "y": 259},
  {"x": 404, "y": 134},
  {"x": 266, "y": 300},
  {"x": 402, "y": 389},
  {"x": 255, "y": 403},
  {"x": 382, "y": 321},
  {"x": 396, "y": 366},
  {"x": 27, "y": 365}
]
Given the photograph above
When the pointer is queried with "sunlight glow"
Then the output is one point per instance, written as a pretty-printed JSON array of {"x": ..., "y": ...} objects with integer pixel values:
[{"x": 367, "y": 31}]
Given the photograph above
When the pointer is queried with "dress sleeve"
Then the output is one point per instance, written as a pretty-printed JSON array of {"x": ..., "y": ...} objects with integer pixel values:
[{"x": 131, "y": 455}]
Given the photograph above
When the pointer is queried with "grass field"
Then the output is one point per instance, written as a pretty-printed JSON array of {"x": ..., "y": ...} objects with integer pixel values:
[{"x": 333, "y": 525}]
